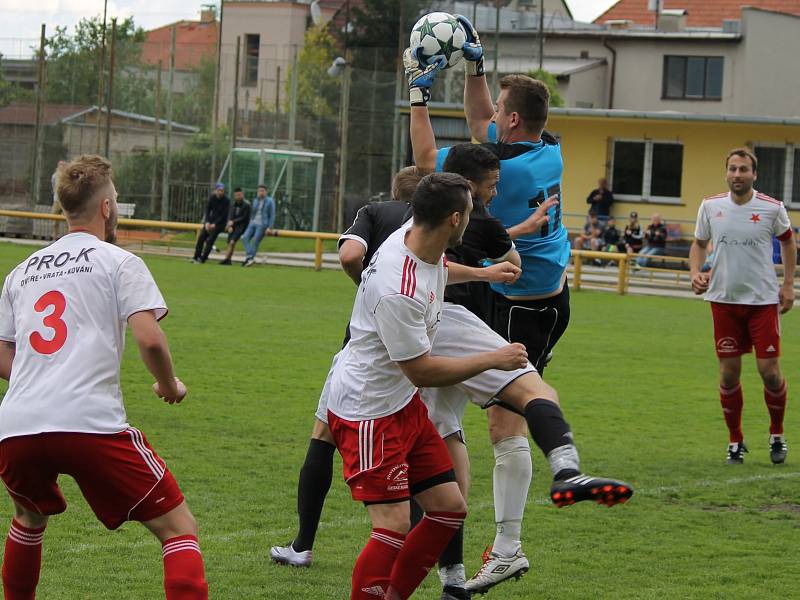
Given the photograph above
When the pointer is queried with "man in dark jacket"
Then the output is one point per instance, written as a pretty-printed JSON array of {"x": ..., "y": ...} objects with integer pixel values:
[
  {"x": 214, "y": 220},
  {"x": 238, "y": 219}
]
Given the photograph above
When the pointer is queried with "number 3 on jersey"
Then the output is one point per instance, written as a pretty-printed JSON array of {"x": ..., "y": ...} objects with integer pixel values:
[{"x": 53, "y": 321}]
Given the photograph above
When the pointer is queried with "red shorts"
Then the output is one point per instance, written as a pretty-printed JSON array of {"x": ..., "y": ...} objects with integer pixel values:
[
  {"x": 119, "y": 474},
  {"x": 740, "y": 327},
  {"x": 384, "y": 458}
]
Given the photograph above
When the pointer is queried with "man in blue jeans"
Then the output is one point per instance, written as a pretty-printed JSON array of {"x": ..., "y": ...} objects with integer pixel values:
[
  {"x": 656, "y": 241},
  {"x": 262, "y": 218}
]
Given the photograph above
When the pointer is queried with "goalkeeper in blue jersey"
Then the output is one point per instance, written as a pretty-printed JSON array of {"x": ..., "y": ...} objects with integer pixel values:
[{"x": 535, "y": 309}]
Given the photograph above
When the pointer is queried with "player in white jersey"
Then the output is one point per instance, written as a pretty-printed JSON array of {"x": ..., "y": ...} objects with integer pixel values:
[
  {"x": 743, "y": 290},
  {"x": 390, "y": 449},
  {"x": 63, "y": 313}
]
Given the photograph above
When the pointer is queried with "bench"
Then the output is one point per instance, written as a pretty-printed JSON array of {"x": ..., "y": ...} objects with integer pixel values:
[{"x": 126, "y": 209}]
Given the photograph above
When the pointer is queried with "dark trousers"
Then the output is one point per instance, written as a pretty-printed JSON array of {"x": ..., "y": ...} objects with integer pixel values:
[
  {"x": 537, "y": 324},
  {"x": 205, "y": 238}
]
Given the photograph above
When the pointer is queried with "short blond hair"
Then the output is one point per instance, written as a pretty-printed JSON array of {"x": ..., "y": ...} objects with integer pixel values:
[
  {"x": 405, "y": 183},
  {"x": 79, "y": 181}
]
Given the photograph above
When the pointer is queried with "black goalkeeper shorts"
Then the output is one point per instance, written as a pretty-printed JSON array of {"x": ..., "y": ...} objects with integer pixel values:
[{"x": 537, "y": 324}]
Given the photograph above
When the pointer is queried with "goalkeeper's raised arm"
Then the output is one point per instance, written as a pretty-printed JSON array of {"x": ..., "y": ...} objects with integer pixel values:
[
  {"x": 420, "y": 79},
  {"x": 478, "y": 105}
]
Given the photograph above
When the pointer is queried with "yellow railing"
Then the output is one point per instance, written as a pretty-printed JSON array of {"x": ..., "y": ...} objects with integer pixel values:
[
  {"x": 579, "y": 256},
  {"x": 317, "y": 236},
  {"x": 624, "y": 262}
]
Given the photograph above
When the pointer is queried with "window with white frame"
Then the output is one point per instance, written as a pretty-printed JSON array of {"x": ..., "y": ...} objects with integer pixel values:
[
  {"x": 646, "y": 170},
  {"x": 779, "y": 172}
]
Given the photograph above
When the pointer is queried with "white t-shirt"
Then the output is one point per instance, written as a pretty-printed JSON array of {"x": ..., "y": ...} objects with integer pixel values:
[
  {"x": 741, "y": 269},
  {"x": 397, "y": 310},
  {"x": 66, "y": 308}
]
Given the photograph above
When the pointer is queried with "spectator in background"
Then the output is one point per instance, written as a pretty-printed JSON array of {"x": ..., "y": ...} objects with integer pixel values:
[
  {"x": 582, "y": 241},
  {"x": 633, "y": 236},
  {"x": 612, "y": 239},
  {"x": 214, "y": 219},
  {"x": 238, "y": 219},
  {"x": 600, "y": 201},
  {"x": 262, "y": 219},
  {"x": 656, "y": 241}
]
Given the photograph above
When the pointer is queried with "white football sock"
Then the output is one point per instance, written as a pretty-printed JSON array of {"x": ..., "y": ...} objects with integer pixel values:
[
  {"x": 453, "y": 575},
  {"x": 513, "y": 471}
]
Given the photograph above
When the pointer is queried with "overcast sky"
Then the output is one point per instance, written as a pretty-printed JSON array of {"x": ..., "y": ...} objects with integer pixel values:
[{"x": 22, "y": 19}]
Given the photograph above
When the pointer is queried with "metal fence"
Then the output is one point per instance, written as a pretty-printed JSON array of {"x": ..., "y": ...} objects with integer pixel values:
[{"x": 164, "y": 104}]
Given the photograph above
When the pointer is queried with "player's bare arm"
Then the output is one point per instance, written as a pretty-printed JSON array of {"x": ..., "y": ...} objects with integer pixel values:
[
  {"x": 535, "y": 221},
  {"x": 442, "y": 371},
  {"x": 351, "y": 257},
  {"x": 154, "y": 350},
  {"x": 504, "y": 272},
  {"x": 478, "y": 105},
  {"x": 789, "y": 257},
  {"x": 420, "y": 79},
  {"x": 7, "y": 352},
  {"x": 697, "y": 256},
  {"x": 511, "y": 256}
]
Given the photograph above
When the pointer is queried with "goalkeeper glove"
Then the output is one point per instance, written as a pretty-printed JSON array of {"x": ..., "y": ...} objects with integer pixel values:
[
  {"x": 420, "y": 77},
  {"x": 473, "y": 51}
]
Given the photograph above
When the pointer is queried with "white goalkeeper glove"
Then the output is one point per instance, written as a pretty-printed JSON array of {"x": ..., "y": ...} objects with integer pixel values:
[{"x": 420, "y": 77}]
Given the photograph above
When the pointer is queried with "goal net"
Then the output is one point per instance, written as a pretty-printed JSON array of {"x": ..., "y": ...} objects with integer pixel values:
[{"x": 293, "y": 179}]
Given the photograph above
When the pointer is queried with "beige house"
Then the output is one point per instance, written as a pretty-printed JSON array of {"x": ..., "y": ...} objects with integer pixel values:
[
  {"x": 269, "y": 34},
  {"x": 131, "y": 133},
  {"x": 747, "y": 67}
]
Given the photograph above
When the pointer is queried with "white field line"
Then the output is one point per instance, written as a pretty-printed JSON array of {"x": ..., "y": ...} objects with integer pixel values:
[{"x": 270, "y": 536}]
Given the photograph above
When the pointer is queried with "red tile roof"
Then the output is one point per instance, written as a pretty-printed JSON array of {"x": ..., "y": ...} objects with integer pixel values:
[
  {"x": 702, "y": 13},
  {"x": 193, "y": 41},
  {"x": 25, "y": 114}
]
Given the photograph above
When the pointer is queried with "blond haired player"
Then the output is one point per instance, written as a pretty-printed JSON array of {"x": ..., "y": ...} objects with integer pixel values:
[{"x": 63, "y": 313}]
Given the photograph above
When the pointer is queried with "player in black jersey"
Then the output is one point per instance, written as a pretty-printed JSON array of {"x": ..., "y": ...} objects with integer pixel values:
[{"x": 373, "y": 224}]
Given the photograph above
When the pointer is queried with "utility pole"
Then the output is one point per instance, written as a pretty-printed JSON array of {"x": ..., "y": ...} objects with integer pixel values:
[
  {"x": 398, "y": 90},
  {"x": 215, "y": 116},
  {"x": 156, "y": 128},
  {"x": 38, "y": 135},
  {"x": 110, "y": 87},
  {"x": 101, "y": 77},
  {"x": 496, "y": 44},
  {"x": 541, "y": 35},
  {"x": 165, "y": 176},
  {"x": 235, "y": 124}
]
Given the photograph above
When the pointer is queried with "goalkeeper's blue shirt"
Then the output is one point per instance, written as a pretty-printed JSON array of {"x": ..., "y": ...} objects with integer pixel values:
[{"x": 530, "y": 172}]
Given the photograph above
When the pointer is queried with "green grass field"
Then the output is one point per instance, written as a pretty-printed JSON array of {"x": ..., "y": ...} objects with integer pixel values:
[{"x": 637, "y": 379}]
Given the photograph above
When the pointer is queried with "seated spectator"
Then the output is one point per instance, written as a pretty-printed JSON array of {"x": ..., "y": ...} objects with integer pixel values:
[
  {"x": 633, "y": 238},
  {"x": 600, "y": 201},
  {"x": 238, "y": 218},
  {"x": 612, "y": 239},
  {"x": 582, "y": 240},
  {"x": 262, "y": 218},
  {"x": 596, "y": 239},
  {"x": 656, "y": 241}
]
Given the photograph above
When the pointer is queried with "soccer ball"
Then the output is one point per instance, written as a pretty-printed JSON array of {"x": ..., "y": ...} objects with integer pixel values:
[{"x": 438, "y": 34}]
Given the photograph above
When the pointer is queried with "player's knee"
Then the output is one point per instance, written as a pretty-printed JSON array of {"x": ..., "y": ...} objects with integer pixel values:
[
  {"x": 29, "y": 519},
  {"x": 322, "y": 432},
  {"x": 771, "y": 376}
]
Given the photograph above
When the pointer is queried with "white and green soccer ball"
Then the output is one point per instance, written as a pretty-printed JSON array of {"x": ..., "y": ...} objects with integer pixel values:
[{"x": 438, "y": 34}]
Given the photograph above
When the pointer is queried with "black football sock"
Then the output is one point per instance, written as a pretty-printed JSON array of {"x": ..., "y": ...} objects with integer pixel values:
[
  {"x": 552, "y": 434},
  {"x": 453, "y": 553},
  {"x": 312, "y": 487}
]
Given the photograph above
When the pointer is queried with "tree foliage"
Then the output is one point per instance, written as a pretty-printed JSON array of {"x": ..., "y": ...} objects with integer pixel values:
[
  {"x": 552, "y": 85},
  {"x": 315, "y": 87},
  {"x": 73, "y": 64}
]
